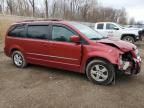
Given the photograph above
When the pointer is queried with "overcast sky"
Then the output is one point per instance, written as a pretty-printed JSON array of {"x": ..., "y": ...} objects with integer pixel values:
[{"x": 134, "y": 8}]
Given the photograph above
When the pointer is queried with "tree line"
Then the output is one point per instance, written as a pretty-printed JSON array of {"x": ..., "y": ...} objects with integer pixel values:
[{"x": 79, "y": 10}]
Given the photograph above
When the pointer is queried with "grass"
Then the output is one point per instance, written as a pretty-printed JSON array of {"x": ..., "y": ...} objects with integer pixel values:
[{"x": 5, "y": 22}]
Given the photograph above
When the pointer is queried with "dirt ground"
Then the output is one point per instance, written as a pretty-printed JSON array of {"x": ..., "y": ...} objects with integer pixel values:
[{"x": 41, "y": 87}]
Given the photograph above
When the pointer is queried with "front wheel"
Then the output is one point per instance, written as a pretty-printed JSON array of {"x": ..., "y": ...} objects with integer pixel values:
[{"x": 100, "y": 72}]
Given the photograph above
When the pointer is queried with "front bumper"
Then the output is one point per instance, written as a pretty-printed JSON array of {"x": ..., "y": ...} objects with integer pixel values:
[
  {"x": 136, "y": 67},
  {"x": 137, "y": 62},
  {"x": 138, "y": 37},
  {"x": 131, "y": 68}
]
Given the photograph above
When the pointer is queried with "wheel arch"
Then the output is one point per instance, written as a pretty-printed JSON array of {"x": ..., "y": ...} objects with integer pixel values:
[
  {"x": 133, "y": 35},
  {"x": 98, "y": 58},
  {"x": 15, "y": 49}
]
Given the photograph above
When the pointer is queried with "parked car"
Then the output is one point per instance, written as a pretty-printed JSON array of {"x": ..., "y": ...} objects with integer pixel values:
[
  {"x": 110, "y": 29},
  {"x": 70, "y": 46},
  {"x": 138, "y": 27},
  {"x": 141, "y": 33}
]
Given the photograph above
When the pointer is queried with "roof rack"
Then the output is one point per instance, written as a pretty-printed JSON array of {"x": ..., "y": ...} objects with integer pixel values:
[{"x": 33, "y": 20}]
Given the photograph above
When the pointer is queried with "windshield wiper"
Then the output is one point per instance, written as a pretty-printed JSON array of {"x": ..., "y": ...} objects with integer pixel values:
[
  {"x": 99, "y": 38},
  {"x": 104, "y": 37},
  {"x": 95, "y": 38}
]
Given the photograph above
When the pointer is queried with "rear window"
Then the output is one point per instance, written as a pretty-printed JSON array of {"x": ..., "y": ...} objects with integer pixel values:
[
  {"x": 17, "y": 31},
  {"x": 100, "y": 26},
  {"x": 38, "y": 31}
]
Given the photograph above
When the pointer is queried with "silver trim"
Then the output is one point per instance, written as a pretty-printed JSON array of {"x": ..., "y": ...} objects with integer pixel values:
[
  {"x": 99, "y": 73},
  {"x": 53, "y": 56},
  {"x": 54, "y": 62}
]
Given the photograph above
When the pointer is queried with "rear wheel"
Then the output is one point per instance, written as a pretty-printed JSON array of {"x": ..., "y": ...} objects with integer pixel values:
[
  {"x": 18, "y": 59},
  {"x": 100, "y": 72},
  {"x": 129, "y": 39}
]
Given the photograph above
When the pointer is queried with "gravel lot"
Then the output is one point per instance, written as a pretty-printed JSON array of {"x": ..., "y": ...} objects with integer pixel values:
[{"x": 41, "y": 87}]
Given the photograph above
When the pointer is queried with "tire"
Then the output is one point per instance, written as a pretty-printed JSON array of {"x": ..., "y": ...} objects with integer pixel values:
[
  {"x": 128, "y": 39},
  {"x": 19, "y": 59},
  {"x": 100, "y": 72}
]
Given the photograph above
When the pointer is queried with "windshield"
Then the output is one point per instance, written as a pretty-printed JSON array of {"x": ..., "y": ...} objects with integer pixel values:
[{"x": 87, "y": 31}]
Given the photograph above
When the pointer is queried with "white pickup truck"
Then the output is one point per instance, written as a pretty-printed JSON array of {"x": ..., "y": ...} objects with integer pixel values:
[{"x": 114, "y": 30}]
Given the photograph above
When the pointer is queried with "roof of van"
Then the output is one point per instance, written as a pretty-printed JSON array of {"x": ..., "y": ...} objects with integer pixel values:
[{"x": 38, "y": 21}]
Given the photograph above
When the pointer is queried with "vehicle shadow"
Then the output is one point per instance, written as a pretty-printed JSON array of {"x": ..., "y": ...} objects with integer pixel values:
[
  {"x": 121, "y": 78},
  {"x": 59, "y": 74}
]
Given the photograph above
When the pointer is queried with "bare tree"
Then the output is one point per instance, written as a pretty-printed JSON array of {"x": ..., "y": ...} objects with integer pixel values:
[
  {"x": 80, "y": 10},
  {"x": 122, "y": 17},
  {"x": 132, "y": 21},
  {"x": 54, "y": 8},
  {"x": 0, "y": 9},
  {"x": 2, "y": 6},
  {"x": 32, "y": 3},
  {"x": 10, "y": 6},
  {"x": 46, "y": 8}
]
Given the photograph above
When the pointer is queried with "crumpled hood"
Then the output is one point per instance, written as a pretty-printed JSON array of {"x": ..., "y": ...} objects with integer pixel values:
[{"x": 122, "y": 45}]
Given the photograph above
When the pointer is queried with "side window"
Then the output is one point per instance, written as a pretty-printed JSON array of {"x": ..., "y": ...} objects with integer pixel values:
[
  {"x": 110, "y": 26},
  {"x": 17, "y": 31},
  {"x": 38, "y": 31},
  {"x": 60, "y": 33},
  {"x": 100, "y": 26}
]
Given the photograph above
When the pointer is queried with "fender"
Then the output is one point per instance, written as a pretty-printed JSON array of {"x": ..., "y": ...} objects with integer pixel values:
[{"x": 111, "y": 56}]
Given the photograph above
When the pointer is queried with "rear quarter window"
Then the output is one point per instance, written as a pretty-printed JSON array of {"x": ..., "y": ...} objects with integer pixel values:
[{"x": 17, "y": 31}]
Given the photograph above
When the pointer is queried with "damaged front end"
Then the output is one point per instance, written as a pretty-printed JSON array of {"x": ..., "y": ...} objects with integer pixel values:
[{"x": 130, "y": 62}]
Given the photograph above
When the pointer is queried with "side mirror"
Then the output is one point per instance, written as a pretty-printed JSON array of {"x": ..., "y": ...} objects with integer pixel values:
[
  {"x": 75, "y": 39},
  {"x": 116, "y": 28}
]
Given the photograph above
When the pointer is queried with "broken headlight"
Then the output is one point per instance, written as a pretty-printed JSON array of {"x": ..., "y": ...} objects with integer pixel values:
[{"x": 136, "y": 51}]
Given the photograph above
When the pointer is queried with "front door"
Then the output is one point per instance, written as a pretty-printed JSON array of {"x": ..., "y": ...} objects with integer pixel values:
[
  {"x": 110, "y": 30},
  {"x": 64, "y": 53}
]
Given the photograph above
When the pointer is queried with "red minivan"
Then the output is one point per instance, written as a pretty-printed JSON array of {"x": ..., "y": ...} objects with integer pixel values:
[{"x": 70, "y": 46}]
